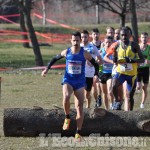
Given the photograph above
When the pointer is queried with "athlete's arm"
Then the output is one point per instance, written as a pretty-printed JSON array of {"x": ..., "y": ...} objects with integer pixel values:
[
  {"x": 137, "y": 50},
  {"x": 107, "y": 59},
  {"x": 54, "y": 59},
  {"x": 97, "y": 54},
  {"x": 88, "y": 56},
  {"x": 112, "y": 50},
  {"x": 148, "y": 57}
]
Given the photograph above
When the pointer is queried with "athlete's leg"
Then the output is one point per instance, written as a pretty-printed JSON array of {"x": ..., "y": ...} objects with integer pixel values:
[
  {"x": 139, "y": 81},
  {"x": 114, "y": 89},
  {"x": 88, "y": 98},
  {"x": 105, "y": 95},
  {"x": 79, "y": 98},
  {"x": 67, "y": 91},
  {"x": 131, "y": 104},
  {"x": 145, "y": 85},
  {"x": 95, "y": 93},
  {"x": 99, "y": 91},
  {"x": 144, "y": 92},
  {"x": 131, "y": 87},
  {"x": 117, "y": 80},
  {"x": 89, "y": 83},
  {"x": 139, "y": 86},
  {"x": 110, "y": 94}
]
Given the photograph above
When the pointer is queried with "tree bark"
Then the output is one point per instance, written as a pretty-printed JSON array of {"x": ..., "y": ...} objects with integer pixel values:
[
  {"x": 134, "y": 20},
  {"x": 122, "y": 20},
  {"x": 97, "y": 14},
  {"x": 23, "y": 29},
  {"x": 35, "y": 45},
  {"x": 44, "y": 12},
  {"x": 32, "y": 122}
]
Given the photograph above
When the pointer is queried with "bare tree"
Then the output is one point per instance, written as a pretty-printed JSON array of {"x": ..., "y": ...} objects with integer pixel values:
[
  {"x": 23, "y": 26},
  {"x": 25, "y": 7},
  {"x": 120, "y": 7}
]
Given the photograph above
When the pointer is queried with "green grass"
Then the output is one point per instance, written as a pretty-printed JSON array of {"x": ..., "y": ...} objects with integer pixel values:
[
  {"x": 15, "y": 56},
  {"x": 25, "y": 89}
]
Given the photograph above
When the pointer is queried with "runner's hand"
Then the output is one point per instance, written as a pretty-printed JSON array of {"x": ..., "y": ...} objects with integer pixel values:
[
  {"x": 96, "y": 78},
  {"x": 129, "y": 60},
  {"x": 44, "y": 72}
]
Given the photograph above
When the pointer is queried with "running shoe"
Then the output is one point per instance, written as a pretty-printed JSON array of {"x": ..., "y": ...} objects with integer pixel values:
[
  {"x": 77, "y": 137},
  {"x": 142, "y": 106},
  {"x": 66, "y": 124},
  {"x": 116, "y": 106},
  {"x": 98, "y": 101}
]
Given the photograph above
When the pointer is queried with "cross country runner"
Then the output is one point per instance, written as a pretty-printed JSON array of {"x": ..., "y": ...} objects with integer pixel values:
[
  {"x": 127, "y": 55},
  {"x": 74, "y": 79}
]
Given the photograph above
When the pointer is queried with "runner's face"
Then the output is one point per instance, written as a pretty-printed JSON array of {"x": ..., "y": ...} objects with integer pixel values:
[
  {"x": 84, "y": 38},
  {"x": 108, "y": 42},
  {"x": 110, "y": 32},
  {"x": 95, "y": 36},
  {"x": 124, "y": 35},
  {"x": 117, "y": 35},
  {"x": 75, "y": 41},
  {"x": 144, "y": 39}
]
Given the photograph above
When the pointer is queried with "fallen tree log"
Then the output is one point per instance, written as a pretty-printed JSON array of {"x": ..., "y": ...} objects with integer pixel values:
[{"x": 32, "y": 122}]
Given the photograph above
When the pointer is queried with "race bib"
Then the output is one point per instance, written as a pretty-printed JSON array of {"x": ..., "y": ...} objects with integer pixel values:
[
  {"x": 126, "y": 67},
  {"x": 107, "y": 66},
  {"x": 74, "y": 67}
]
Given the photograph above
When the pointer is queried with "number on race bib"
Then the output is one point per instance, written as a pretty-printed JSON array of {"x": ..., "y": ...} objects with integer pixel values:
[{"x": 126, "y": 67}]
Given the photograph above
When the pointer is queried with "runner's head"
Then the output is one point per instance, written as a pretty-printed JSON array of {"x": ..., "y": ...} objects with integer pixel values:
[
  {"x": 84, "y": 37},
  {"x": 108, "y": 41},
  {"x": 110, "y": 31},
  {"x": 95, "y": 34},
  {"x": 117, "y": 34},
  {"x": 130, "y": 32},
  {"x": 125, "y": 35},
  {"x": 144, "y": 38},
  {"x": 76, "y": 39}
]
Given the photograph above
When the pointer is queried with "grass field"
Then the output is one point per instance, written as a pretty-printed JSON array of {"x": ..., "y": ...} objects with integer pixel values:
[{"x": 25, "y": 89}]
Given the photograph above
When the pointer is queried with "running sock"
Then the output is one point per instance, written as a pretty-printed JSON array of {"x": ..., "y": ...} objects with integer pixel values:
[
  {"x": 68, "y": 116},
  {"x": 78, "y": 131}
]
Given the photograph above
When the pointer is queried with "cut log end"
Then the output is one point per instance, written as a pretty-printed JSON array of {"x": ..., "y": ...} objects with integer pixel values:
[
  {"x": 144, "y": 125},
  {"x": 97, "y": 112}
]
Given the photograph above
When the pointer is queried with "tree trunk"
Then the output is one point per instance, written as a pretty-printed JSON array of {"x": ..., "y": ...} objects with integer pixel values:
[
  {"x": 32, "y": 122},
  {"x": 35, "y": 45},
  {"x": 44, "y": 12},
  {"x": 23, "y": 29},
  {"x": 134, "y": 20},
  {"x": 97, "y": 14},
  {"x": 122, "y": 20}
]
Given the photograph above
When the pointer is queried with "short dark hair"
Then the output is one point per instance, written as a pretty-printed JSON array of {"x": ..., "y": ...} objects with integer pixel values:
[
  {"x": 129, "y": 29},
  {"x": 144, "y": 33},
  {"x": 109, "y": 38},
  {"x": 85, "y": 32},
  {"x": 76, "y": 34},
  {"x": 95, "y": 30}
]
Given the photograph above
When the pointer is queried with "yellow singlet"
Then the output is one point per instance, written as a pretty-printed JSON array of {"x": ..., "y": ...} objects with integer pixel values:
[{"x": 127, "y": 68}]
